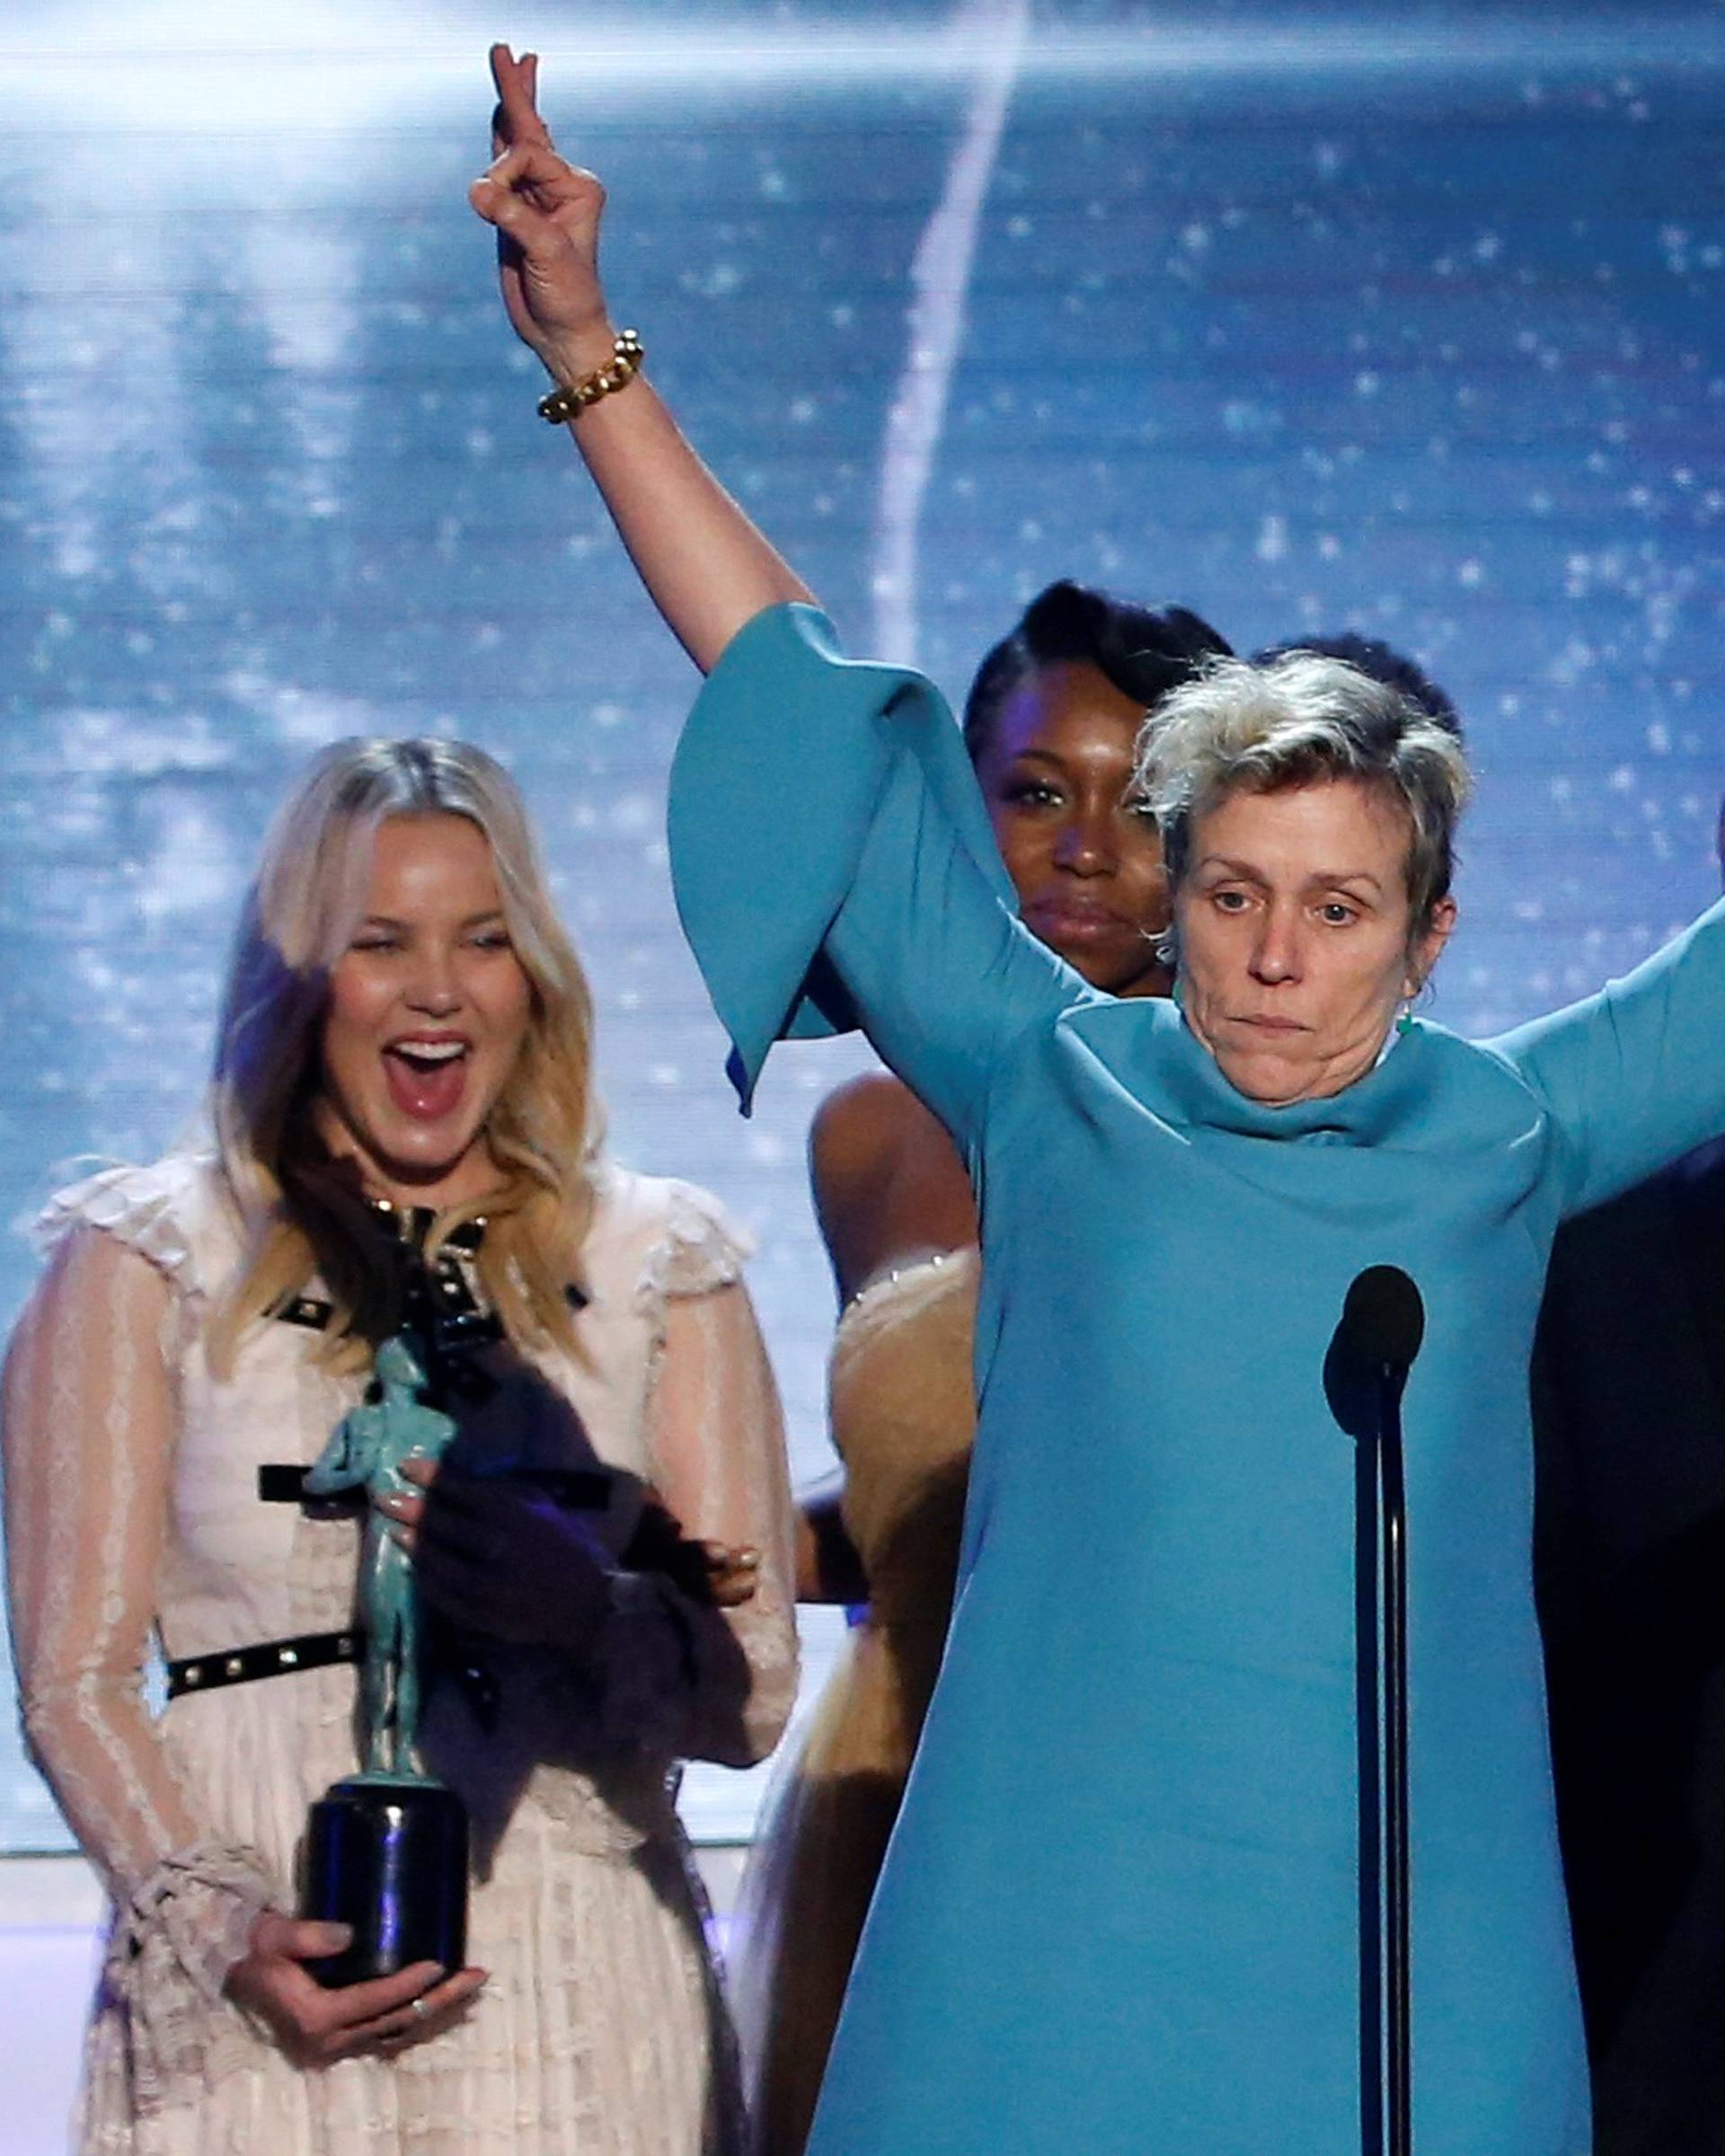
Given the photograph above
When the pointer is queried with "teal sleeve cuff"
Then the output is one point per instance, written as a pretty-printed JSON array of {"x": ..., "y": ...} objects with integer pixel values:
[{"x": 775, "y": 791}]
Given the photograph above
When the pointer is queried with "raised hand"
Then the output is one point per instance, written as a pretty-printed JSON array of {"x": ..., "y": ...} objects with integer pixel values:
[
  {"x": 706, "y": 566},
  {"x": 546, "y": 212},
  {"x": 315, "y": 2027}
]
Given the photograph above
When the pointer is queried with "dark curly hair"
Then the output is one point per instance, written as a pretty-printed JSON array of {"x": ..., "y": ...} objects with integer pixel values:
[
  {"x": 1378, "y": 661},
  {"x": 1144, "y": 650}
]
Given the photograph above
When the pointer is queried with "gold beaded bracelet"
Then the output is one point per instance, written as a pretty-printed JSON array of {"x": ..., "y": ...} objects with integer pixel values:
[{"x": 564, "y": 401}]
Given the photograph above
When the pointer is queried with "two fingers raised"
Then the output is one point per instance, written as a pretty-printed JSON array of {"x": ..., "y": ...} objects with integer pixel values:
[{"x": 516, "y": 118}]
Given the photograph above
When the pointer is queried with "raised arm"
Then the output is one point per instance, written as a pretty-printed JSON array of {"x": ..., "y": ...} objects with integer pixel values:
[
  {"x": 1634, "y": 1076},
  {"x": 832, "y": 859},
  {"x": 705, "y": 565}
]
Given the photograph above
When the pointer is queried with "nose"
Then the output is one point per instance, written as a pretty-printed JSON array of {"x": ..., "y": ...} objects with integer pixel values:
[
  {"x": 433, "y": 987},
  {"x": 1086, "y": 844},
  {"x": 1276, "y": 955}
]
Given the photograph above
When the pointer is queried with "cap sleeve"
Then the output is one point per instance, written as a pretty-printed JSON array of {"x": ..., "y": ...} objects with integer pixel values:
[
  {"x": 699, "y": 1247},
  {"x": 168, "y": 1213}
]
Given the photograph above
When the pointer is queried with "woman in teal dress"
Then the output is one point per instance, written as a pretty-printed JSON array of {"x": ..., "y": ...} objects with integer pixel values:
[{"x": 1119, "y": 1911}]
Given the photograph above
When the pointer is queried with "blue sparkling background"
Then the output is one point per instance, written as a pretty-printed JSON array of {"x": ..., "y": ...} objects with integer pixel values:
[{"x": 1404, "y": 319}]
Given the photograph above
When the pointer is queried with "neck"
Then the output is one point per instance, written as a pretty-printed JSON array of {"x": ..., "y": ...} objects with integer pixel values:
[{"x": 459, "y": 1182}]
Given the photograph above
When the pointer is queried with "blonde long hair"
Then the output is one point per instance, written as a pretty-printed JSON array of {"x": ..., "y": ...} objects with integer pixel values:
[{"x": 303, "y": 1217}]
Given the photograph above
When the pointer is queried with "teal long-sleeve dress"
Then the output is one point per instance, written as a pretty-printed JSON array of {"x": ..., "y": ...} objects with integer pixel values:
[{"x": 1119, "y": 1917}]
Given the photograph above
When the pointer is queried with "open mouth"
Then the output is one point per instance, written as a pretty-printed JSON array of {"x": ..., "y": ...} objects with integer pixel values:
[{"x": 426, "y": 1078}]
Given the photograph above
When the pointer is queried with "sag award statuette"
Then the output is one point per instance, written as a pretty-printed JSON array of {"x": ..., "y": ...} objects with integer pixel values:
[{"x": 387, "y": 1850}]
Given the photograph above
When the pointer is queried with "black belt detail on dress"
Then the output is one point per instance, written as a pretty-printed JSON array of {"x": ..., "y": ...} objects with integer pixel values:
[
  {"x": 268, "y": 1658},
  {"x": 284, "y": 1483}
]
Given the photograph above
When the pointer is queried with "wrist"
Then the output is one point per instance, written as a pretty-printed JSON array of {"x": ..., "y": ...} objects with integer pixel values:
[
  {"x": 573, "y": 354},
  {"x": 569, "y": 401}
]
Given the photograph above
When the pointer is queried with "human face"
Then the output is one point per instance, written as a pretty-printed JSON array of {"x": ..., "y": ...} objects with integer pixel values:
[
  {"x": 1295, "y": 936},
  {"x": 1087, "y": 864},
  {"x": 427, "y": 1014}
]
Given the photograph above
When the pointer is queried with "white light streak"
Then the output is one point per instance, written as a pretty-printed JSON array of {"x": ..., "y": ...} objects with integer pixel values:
[{"x": 940, "y": 276}]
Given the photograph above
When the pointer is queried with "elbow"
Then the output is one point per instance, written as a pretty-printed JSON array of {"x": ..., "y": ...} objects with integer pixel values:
[
  {"x": 763, "y": 1726},
  {"x": 709, "y": 644},
  {"x": 772, "y": 1695},
  {"x": 745, "y": 1716},
  {"x": 748, "y": 1738},
  {"x": 44, "y": 1715},
  {"x": 60, "y": 1711}
]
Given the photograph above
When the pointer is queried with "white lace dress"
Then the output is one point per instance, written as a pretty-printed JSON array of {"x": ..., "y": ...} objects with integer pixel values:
[{"x": 133, "y": 1507}]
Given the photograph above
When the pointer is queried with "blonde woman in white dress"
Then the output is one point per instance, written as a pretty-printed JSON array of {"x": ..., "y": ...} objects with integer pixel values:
[{"x": 402, "y": 1128}]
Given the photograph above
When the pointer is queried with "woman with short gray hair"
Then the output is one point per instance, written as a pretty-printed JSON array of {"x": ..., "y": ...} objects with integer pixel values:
[
  {"x": 1292, "y": 719},
  {"x": 1121, "y": 1907}
]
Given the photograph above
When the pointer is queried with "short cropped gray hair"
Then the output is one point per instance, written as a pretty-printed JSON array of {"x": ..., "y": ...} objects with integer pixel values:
[{"x": 1293, "y": 721}]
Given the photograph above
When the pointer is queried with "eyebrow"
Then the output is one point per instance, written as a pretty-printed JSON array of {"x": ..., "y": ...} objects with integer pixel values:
[
  {"x": 1325, "y": 879},
  {"x": 1069, "y": 763},
  {"x": 494, "y": 913}
]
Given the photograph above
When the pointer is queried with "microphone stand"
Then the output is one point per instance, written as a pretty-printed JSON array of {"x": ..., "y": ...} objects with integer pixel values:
[
  {"x": 1383, "y": 1324},
  {"x": 1367, "y": 1537},
  {"x": 1397, "y": 1895}
]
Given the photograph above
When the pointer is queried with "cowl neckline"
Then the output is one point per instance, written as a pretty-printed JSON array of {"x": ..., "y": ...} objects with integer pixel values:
[{"x": 1149, "y": 1048}]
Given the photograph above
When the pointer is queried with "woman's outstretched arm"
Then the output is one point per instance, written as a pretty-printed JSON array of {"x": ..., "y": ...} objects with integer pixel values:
[
  {"x": 706, "y": 568},
  {"x": 1634, "y": 1075}
]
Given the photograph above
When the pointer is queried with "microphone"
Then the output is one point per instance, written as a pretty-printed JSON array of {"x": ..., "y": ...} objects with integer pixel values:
[
  {"x": 1372, "y": 1349},
  {"x": 1384, "y": 1319}
]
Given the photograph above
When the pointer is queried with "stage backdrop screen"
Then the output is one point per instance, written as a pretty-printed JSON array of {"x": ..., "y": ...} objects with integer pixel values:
[{"x": 1404, "y": 319}]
